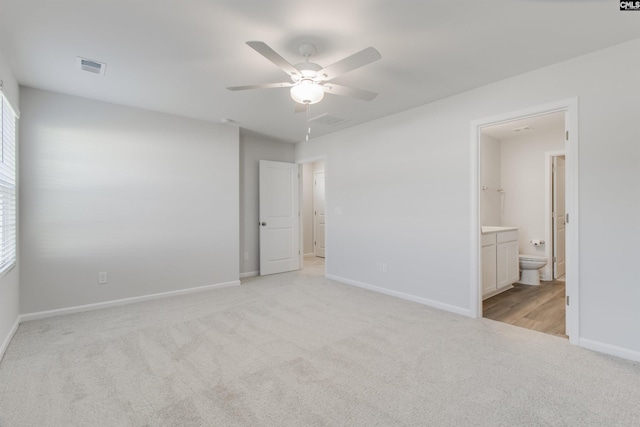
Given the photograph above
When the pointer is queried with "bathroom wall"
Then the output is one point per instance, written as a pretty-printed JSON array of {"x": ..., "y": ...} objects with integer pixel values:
[
  {"x": 490, "y": 169},
  {"x": 523, "y": 179}
]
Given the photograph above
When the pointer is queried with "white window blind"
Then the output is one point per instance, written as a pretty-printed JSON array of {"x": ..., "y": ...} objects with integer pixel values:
[{"x": 7, "y": 187}]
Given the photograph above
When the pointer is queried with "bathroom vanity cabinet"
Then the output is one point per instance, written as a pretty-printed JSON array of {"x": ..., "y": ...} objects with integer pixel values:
[{"x": 500, "y": 264}]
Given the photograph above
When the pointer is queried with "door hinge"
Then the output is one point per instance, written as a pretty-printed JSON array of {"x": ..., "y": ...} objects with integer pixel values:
[
  {"x": 566, "y": 218},
  {"x": 566, "y": 135},
  {"x": 567, "y": 299},
  {"x": 315, "y": 243},
  {"x": 555, "y": 259}
]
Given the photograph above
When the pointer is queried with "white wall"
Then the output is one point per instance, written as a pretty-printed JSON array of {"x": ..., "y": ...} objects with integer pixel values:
[
  {"x": 253, "y": 148},
  {"x": 9, "y": 281},
  {"x": 523, "y": 180},
  {"x": 491, "y": 203},
  {"x": 402, "y": 184},
  {"x": 149, "y": 198}
]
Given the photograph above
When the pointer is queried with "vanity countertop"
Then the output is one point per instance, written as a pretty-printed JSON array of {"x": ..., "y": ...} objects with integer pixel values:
[{"x": 486, "y": 229}]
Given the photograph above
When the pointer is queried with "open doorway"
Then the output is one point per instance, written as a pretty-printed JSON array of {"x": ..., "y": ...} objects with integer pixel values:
[
  {"x": 313, "y": 216},
  {"x": 515, "y": 239}
]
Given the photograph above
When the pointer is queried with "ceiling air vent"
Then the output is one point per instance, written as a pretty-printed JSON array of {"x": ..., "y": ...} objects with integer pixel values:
[
  {"x": 328, "y": 120},
  {"x": 91, "y": 66}
]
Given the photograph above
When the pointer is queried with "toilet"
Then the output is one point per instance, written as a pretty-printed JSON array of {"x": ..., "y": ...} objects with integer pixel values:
[{"x": 530, "y": 266}]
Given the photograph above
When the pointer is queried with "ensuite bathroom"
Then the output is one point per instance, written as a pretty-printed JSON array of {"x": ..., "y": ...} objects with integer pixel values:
[{"x": 522, "y": 199}]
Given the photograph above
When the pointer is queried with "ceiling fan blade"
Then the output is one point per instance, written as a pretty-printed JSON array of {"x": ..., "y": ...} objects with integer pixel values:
[
  {"x": 261, "y": 86},
  {"x": 300, "y": 108},
  {"x": 274, "y": 57},
  {"x": 357, "y": 60},
  {"x": 353, "y": 92}
]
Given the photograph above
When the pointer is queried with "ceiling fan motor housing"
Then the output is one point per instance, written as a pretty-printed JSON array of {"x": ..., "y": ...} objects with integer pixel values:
[{"x": 307, "y": 70}]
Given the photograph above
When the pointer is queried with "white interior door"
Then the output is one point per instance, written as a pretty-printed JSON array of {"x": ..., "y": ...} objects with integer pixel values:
[
  {"x": 318, "y": 214},
  {"x": 279, "y": 217},
  {"x": 559, "y": 233}
]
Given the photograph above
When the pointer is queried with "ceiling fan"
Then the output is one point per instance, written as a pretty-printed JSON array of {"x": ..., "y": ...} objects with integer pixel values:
[{"x": 310, "y": 81}]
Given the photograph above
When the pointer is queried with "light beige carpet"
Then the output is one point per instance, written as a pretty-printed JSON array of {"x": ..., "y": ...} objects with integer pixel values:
[{"x": 296, "y": 349}]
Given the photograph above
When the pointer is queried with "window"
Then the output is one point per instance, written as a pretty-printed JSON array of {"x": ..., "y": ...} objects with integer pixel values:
[{"x": 7, "y": 186}]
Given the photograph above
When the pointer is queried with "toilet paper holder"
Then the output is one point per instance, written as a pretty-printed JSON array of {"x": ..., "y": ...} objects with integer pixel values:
[{"x": 536, "y": 242}]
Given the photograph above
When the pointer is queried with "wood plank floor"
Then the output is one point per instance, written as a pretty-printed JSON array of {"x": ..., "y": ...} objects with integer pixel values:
[{"x": 540, "y": 308}]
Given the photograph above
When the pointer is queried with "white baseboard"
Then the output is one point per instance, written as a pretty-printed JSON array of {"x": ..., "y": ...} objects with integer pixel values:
[
  {"x": 613, "y": 350},
  {"x": 114, "y": 303},
  {"x": 249, "y": 274},
  {"x": 402, "y": 295},
  {"x": 9, "y": 337},
  {"x": 309, "y": 254}
]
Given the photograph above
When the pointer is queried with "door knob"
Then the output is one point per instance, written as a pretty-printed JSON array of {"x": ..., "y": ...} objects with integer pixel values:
[{"x": 263, "y": 224}]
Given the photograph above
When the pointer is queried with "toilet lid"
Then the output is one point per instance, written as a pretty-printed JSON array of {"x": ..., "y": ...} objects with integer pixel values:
[{"x": 532, "y": 258}]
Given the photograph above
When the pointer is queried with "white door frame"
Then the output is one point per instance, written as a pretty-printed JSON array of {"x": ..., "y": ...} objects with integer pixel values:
[
  {"x": 570, "y": 107},
  {"x": 548, "y": 219},
  {"x": 300, "y": 162}
]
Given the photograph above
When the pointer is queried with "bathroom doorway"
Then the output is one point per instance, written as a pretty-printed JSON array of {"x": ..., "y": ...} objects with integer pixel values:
[
  {"x": 511, "y": 192},
  {"x": 312, "y": 214}
]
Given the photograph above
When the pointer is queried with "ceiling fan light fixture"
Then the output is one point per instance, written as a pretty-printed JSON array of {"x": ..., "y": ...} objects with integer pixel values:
[{"x": 307, "y": 92}]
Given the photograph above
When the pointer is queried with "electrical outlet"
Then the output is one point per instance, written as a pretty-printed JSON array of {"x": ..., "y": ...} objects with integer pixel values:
[
  {"x": 102, "y": 278},
  {"x": 384, "y": 267},
  {"x": 246, "y": 256}
]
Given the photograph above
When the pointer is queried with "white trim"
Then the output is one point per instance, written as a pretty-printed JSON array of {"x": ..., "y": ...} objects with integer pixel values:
[
  {"x": 613, "y": 350},
  {"x": 570, "y": 107},
  {"x": 572, "y": 250},
  {"x": 424, "y": 301},
  {"x": 249, "y": 274},
  {"x": 300, "y": 214},
  {"x": 124, "y": 301},
  {"x": 309, "y": 254},
  {"x": 547, "y": 272},
  {"x": 15, "y": 112},
  {"x": 475, "y": 269},
  {"x": 9, "y": 337}
]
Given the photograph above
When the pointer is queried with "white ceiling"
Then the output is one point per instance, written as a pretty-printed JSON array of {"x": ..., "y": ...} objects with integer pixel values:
[{"x": 179, "y": 56}]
